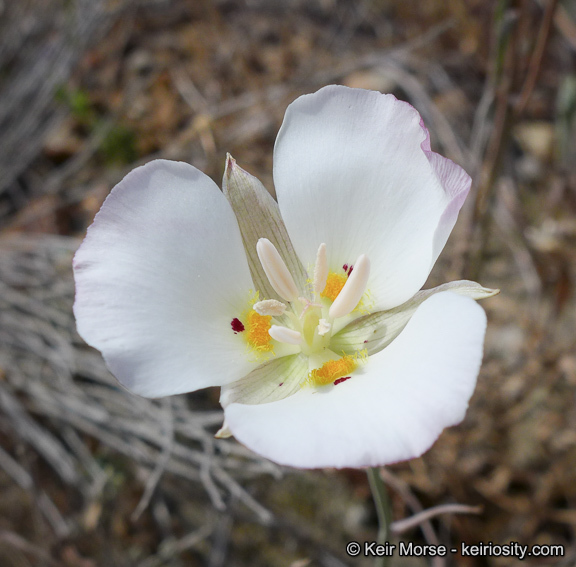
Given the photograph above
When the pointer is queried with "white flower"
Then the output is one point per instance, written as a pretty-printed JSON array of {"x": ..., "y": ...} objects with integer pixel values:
[{"x": 306, "y": 311}]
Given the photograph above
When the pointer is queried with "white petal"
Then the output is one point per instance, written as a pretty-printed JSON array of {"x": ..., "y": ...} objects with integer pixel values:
[
  {"x": 393, "y": 409},
  {"x": 352, "y": 169},
  {"x": 159, "y": 277},
  {"x": 456, "y": 183}
]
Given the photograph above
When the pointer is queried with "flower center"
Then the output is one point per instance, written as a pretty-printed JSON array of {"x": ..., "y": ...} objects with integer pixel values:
[{"x": 302, "y": 324}]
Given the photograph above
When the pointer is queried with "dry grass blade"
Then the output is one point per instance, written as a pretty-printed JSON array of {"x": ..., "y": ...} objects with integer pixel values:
[
  {"x": 18, "y": 542},
  {"x": 42, "y": 441},
  {"x": 16, "y": 472},
  {"x": 401, "y": 526},
  {"x": 44, "y": 64},
  {"x": 172, "y": 547},
  {"x": 57, "y": 393}
]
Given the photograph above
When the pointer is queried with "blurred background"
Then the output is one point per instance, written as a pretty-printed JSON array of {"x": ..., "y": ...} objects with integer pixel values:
[{"x": 92, "y": 476}]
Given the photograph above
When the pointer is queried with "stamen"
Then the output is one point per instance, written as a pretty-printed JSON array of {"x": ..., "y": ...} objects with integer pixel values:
[
  {"x": 285, "y": 335},
  {"x": 269, "y": 307},
  {"x": 353, "y": 289},
  {"x": 276, "y": 271},
  {"x": 323, "y": 327},
  {"x": 320, "y": 269}
]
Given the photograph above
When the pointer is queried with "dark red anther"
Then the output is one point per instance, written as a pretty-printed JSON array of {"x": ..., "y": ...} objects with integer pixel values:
[
  {"x": 345, "y": 268},
  {"x": 281, "y": 384},
  {"x": 340, "y": 380},
  {"x": 237, "y": 325},
  {"x": 350, "y": 270}
]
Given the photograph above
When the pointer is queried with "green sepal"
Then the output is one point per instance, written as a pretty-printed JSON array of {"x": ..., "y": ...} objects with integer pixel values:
[
  {"x": 272, "y": 381},
  {"x": 258, "y": 216},
  {"x": 376, "y": 331}
]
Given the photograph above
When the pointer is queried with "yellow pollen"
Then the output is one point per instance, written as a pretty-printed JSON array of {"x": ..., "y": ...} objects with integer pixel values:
[
  {"x": 258, "y": 327},
  {"x": 334, "y": 285},
  {"x": 334, "y": 369}
]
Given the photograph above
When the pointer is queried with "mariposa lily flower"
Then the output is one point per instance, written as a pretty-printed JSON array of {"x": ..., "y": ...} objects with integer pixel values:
[{"x": 306, "y": 311}]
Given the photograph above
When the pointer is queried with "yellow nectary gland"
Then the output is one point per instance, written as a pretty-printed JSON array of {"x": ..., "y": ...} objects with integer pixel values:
[
  {"x": 332, "y": 370},
  {"x": 258, "y": 327},
  {"x": 334, "y": 285}
]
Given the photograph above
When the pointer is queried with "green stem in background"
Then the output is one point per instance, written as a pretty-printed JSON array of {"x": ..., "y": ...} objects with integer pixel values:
[{"x": 383, "y": 509}]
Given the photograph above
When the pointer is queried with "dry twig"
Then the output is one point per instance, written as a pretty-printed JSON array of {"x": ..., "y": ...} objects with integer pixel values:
[{"x": 57, "y": 392}]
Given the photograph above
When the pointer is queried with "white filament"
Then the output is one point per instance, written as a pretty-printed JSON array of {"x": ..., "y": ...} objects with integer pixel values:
[
  {"x": 285, "y": 335},
  {"x": 353, "y": 289},
  {"x": 269, "y": 307},
  {"x": 276, "y": 271},
  {"x": 320, "y": 269}
]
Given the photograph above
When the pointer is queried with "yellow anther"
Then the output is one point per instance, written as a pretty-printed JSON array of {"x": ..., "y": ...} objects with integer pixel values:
[{"x": 334, "y": 285}]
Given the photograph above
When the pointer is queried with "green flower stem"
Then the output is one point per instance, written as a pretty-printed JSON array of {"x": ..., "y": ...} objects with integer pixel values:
[{"x": 383, "y": 509}]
